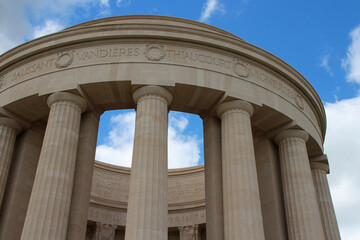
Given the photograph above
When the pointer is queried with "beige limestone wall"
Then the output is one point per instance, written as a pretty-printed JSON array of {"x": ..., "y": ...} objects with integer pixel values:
[
  {"x": 240, "y": 184},
  {"x": 110, "y": 186},
  {"x": 9, "y": 128},
  {"x": 84, "y": 169},
  {"x": 301, "y": 207},
  {"x": 200, "y": 65},
  {"x": 49, "y": 206},
  {"x": 20, "y": 182},
  {"x": 213, "y": 179},
  {"x": 271, "y": 194}
]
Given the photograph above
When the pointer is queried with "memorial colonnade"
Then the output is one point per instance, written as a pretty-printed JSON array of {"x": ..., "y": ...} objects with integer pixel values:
[
  {"x": 56, "y": 196},
  {"x": 264, "y": 128}
]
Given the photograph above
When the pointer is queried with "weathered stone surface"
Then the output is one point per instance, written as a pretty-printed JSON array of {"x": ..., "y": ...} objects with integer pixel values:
[
  {"x": 302, "y": 211},
  {"x": 327, "y": 212},
  {"x": 194, "y": 66},
  {"x": 240, "y": 185},
  {"x": 49, "y": 206},
  {"x": 148, "y": 206}
]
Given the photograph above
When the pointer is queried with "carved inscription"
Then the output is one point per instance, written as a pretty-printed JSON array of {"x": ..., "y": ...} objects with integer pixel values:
[
  {"x": 25, "y": 70},
  {"x": 109, "y": 216},
  {"x": 283, "y": 89},
  {"x": 109, "y": 185},
  {"x": 112, "y": 52},
  {"x": 68, "y": 58},
  {"x": 65, "y": 59},
  {"x": 115, "y": 187},
  {"x": 186, "y": 189},
  {"x": 116, "y": 217},
  {"x": 221, "y": 62}
]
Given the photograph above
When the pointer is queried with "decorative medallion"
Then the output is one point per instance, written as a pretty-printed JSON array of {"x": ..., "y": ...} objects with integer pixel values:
[
  {"x": 299, "y": 102},
  {"x": 241, "y": 68},
  {"x": 154, "y": 52},
  {"x": 64, "y": 59}
]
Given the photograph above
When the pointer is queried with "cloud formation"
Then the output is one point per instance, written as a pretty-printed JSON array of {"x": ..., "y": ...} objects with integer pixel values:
[
  {"x": 352, "y": 61},
  {"x": 35, "y": 18},
  {"x": 183, "y": 148},
  {"x": 211, "y": 7},
  {"x": 325, "y": 64},
  {"x": 50, "y": 26},
  {"x": 342, "y": 147}
]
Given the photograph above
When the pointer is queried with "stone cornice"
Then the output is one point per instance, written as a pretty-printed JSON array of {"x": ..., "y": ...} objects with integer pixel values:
[{"x": 185, "y": 33}]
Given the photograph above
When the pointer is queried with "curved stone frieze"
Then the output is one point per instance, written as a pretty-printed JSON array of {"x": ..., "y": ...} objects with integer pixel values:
[
  {"x": 198, "y": 55},
  {"x": 110, "y": 186},
  {"x": 115, "y": 216},
  {"x": 125, "y": 53},
  {"x": 110, "y": 193}
]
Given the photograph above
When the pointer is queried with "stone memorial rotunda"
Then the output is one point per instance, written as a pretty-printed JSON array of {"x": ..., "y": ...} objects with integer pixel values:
[{"x": 264, "y": 175}]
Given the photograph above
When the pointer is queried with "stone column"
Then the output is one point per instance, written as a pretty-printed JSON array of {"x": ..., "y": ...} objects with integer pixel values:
[
  {"x": 302, "y": 211},
  {"x": 83, "y": 176},
  {"x": 213, "y": 179},
  {"x": 326, "y": 207},
  {"x": 242, "y": 209},
  {"x": 147, "y": 206},
  {"x": 20, "y": 182},
  {"x": 49, "y": 206},
  {"x": 104, "y": 232},
  {"x": 189, "y": 232},
  {"x": 8, "y": 130}
]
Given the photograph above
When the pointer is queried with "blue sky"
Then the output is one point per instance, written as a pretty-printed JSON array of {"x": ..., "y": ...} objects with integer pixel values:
[{"x": 320, "y": 39}]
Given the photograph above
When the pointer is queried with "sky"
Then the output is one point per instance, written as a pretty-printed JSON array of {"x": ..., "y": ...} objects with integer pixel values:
[{"x": 320, "y": 39}]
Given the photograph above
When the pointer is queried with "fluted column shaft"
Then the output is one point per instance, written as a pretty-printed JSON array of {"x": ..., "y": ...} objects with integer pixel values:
[
  {"x": 213, "y": 179},
  {"x": 147, "y": 206},
  {"x": 83, "y": 176},
  {"x": 326, "y": 207},
  {"x": 302, "y": 212},
  {"x": 49, "y": 206},
  {"x": 242, "y": 209},
  {"x": 8, "y": 130}
]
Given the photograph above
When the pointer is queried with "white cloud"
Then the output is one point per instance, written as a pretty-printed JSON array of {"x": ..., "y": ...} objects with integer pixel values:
[
  {"x": 104, "y": 3},
  {"x": 14, "y": 25},
  {"x": 352, "y": 61},
  {"x": 119, "y": 145},
  {"x": 123, "y": 3},
  {"x": 50, "y": 26},
  {"x": 342, "y": 147},
  {"x": 211, "y": 7},
  {"x": 15, "y": 17},
  {"x": 325, "y": 64},
  {"x": 183, "y": 148}
]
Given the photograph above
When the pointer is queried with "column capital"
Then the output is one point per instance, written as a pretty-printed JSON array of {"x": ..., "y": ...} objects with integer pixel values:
[
  {"x": 292, "y": 133},
  {"x": 11, "y": 123},
  {"x": 152, "y": 90},
  {"x": 236, "y": 104},
  {"x": 69, "y": 97},
  {"x": 320, "y": 166}
]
